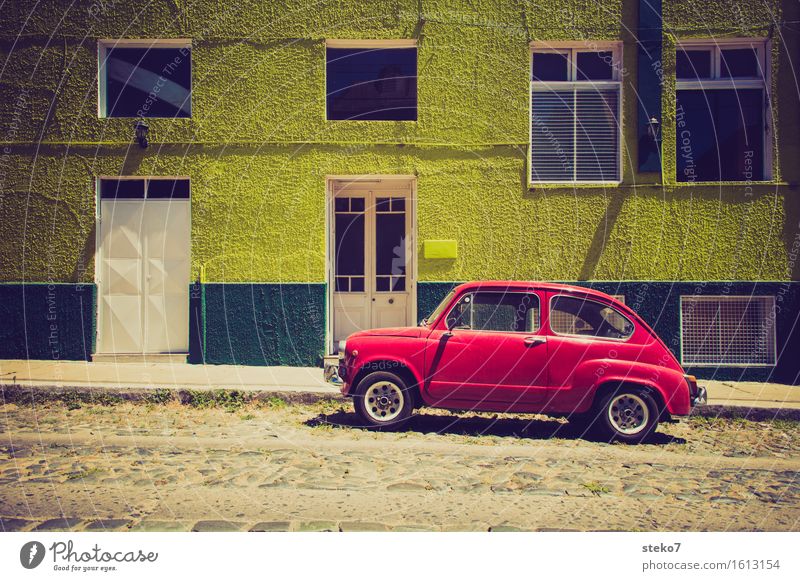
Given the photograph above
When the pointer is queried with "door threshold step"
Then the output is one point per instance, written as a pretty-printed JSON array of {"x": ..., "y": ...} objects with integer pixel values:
[{"x": 139, "y": 357}]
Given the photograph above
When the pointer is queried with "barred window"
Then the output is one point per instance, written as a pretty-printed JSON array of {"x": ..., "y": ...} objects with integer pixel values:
[
  {"x": 731, "y": 330},
  {"x": 575, "y": 105}
]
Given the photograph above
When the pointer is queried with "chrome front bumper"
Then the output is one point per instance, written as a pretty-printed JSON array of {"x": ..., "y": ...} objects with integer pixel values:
[
  {"x": 331, "y": 370},
  {"x": 701, "y": 397}
]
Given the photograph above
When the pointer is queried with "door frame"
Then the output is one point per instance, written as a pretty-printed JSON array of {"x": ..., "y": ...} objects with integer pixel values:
[
  {"x": 329, "y": 243},
  {"x": 98, "y": 254}
]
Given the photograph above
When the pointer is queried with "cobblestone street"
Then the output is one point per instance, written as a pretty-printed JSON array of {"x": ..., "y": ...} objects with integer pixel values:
[{"x": 274, "y": 466}]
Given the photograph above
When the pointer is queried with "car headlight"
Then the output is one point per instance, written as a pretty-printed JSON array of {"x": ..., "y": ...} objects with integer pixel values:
[{"x": 342, "y": 345}]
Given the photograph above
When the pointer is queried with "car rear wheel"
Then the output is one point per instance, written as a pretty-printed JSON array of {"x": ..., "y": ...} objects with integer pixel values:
[
  {"x": 383, "y": 401},
  {"x": 628, "y": 414}
]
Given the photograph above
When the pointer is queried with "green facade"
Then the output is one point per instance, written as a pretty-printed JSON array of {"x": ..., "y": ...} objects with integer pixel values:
[{"x": 258, "y": 149}]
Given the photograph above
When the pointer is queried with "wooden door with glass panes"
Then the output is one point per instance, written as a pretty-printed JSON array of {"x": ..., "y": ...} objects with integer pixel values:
[{"x": 371, "y": 263}]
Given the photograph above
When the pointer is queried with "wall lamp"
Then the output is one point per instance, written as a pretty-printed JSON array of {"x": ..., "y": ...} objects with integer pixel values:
[
  {"x": 141, "y": 129},
  {"x": 654, "y": 128}
]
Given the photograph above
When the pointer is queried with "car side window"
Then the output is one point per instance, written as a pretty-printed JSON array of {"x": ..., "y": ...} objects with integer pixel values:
[
  {"x": 496, "y": 311},
  {"x": 576, "y": 316}
]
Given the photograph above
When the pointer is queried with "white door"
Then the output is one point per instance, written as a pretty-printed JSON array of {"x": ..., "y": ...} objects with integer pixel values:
[
  {"x": 143, "y": 278},
  {"x": 372, "y": 263}
]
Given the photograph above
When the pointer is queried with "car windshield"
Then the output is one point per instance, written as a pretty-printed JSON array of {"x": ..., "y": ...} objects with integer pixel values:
[{"x": 438, "y": 310}]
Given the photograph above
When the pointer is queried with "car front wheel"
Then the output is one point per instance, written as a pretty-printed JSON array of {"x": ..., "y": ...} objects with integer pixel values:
[
  {"x": 627, "y": 415},
  {"x": 383, "y": 401}
]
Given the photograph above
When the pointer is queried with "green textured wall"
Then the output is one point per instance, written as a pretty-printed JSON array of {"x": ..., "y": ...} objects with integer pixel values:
[{"x": 258, "y": 147}]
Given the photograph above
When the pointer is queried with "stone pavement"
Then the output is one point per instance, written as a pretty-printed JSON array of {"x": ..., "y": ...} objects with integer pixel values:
[
  {"x": 123, "y": 376},
  {"x": 275, "y": 467}
]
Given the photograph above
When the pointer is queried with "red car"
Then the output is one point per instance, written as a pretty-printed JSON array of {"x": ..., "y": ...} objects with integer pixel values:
[{"x": 521, "y": 347}]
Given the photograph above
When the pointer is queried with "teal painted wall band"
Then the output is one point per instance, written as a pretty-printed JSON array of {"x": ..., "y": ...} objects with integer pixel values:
[
  {"x": 658, "y": 303},
  {"x": 47, "y": 321},
  {"x": 264, "y": 323}
]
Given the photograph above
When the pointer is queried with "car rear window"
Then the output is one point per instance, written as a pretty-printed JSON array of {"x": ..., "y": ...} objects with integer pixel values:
[{"x": 578, "y": 316}]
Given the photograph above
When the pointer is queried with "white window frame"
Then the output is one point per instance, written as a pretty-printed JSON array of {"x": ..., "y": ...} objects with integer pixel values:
[
  {"x": 102, "y": 52},
  {"x": 572, "y": 48},
  {"x": 721, "y": 298},
  {"x": 716, "y": 46}
]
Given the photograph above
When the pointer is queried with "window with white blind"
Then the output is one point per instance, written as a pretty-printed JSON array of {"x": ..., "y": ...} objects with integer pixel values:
[
  {"x": 575, "y": 113},
  {"x": 728, "y": 330}
]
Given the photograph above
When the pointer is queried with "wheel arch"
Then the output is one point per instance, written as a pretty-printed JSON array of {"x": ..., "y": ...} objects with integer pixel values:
[
  {"x": 400, "y": 368},
  {"x": 611, "y": 385}
]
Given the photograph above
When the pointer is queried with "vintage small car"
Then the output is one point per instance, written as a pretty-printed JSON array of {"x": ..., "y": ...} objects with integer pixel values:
[{"x": 521, "y": 347}]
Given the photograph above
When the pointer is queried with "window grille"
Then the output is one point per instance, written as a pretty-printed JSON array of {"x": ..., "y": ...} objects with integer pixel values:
[{"x": 728, "y": 330}]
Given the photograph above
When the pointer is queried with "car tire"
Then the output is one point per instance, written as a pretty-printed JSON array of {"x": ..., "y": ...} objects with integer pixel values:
[
  {"x": 628, "y": 414},
  {"x": 383, "y": 401}
]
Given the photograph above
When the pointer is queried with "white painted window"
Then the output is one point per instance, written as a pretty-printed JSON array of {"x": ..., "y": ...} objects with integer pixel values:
[
  {"x": 728, "y": 330},
  {"x": 722, "y": 111},
  {"x": 575, "y": 113},
  {"x": 144, "y": 78}
]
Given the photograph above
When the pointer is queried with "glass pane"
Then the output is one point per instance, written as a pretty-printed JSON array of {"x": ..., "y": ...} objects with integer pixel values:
[
  {"x": 342, "y": 204},
  {"x": 372, "y": 84},
  {"x": 342, "y": 284},
  {"x": 595, "y": 66},
  {"x": 693, "y": 64},
  {"x": 550, "y": 66},
  {"x": 739, "y": 62},
  {"x": 720, "y": 135},
  {"x": 497, "y": 311},
  {"x": 122, "y": 189},
  {"x": 390, "y": 246},
  {"x": 357, "y": 284},
  {"x": 398, "y": 283},
  {"x": 460, "y": 316},
  {"x": 398, "y": 205},
  {"x": 148, "y": 82},
  {"x": 575, "y": 316},
  {"x": 356, "y": 204},
  {"x": 382, "y": 284},
  {"x": 166, "y": 188},
  {"x": 349, "y": 244},
  {"x": 511, "y": 312},
  {"x": 382, "y": 204}
]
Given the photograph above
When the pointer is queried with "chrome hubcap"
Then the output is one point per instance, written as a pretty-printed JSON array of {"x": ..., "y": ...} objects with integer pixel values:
[
  {"x": 383, "y": 401},
  {"x": 628, "y": 413}
]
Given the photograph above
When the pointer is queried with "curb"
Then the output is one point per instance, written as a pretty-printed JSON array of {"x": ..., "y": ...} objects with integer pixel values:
[
  {"x": 31, "y": 395},
  {"x": 233, "y": 397}
]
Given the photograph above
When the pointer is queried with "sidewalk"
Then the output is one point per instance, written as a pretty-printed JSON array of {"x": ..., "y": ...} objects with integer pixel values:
[{"x": 293, "y": 380}]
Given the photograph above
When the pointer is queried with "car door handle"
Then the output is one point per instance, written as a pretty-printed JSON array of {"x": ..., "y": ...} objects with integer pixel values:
[{"x": 534, "y": 340}]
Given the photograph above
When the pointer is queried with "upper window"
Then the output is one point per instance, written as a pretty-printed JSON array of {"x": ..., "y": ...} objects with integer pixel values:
[
  {"x": 575, "y": 107},
  {"x": 145, "y": 78},
  {"x": 496, "y": 311},
  {"x": 728, "y": 330},
  {"x": 144, "y": 188},
  {"x": 371, "y": 80},
  {"x": 721, "y": 105},
  {"x": 577, "y": 316}
]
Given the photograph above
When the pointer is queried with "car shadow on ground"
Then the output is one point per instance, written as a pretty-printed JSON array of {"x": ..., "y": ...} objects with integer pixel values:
[{"x": 477, "y": 426}]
